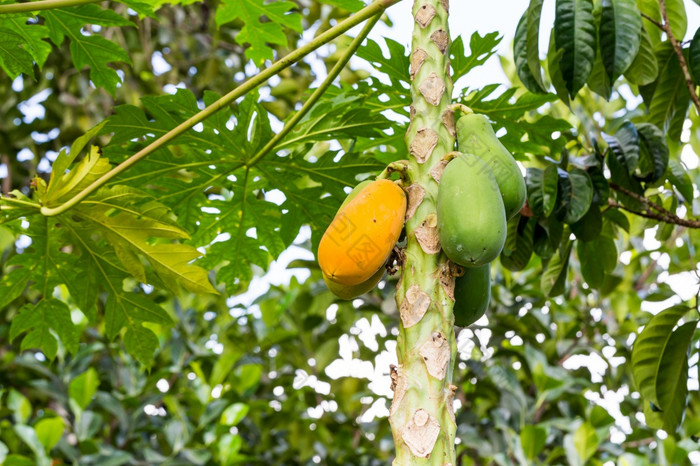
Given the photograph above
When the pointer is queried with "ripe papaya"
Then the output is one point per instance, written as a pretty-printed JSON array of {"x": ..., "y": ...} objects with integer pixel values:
[
  {"x": 472, "y": 294},
  {"x": 353, "y": 291},
  {"x": 475, "y": 136},
  {"x": 363, "y": 233},
  {"x": 355, "y": 191},
  {"x": 470, "y": 213}
]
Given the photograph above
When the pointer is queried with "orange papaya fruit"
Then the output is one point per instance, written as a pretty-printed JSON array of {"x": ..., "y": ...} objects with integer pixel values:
[
  {"x": 353, "y": 291},
  {"x": 363, "y": 233}
]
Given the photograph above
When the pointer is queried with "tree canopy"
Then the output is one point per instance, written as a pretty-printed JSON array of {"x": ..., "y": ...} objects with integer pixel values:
[{"x": 161, "y": 159}]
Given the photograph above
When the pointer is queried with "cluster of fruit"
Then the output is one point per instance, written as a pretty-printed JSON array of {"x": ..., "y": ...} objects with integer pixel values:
[{"x": 480, "y": 189}]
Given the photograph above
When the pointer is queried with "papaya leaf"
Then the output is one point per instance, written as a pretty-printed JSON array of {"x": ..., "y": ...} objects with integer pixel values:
[
  {"x": 63, "y": 186},
  {"x": 142, "y": 343},
  {"x": 480, "y": 50},
  {"x": 644, "y": 69},
  {"x": 255, "y": 32},
  {"x": 48, "y": 314},
  {"x": 350, "y": 5},
  {"x": 649, "y": 349},
  {"x": 91, "y": 51},
  {"x": 672, "y": 376},
  {"x": 131, "y": 226},
  {"x": 620, "y": 35},
  {"x": 32, "y": 35},
  {"x": 575, "y": 33},
  {"x": 13, "y": 284},
  {"x": 14, "y": 58},
  {"x": 396, "y": 66}
]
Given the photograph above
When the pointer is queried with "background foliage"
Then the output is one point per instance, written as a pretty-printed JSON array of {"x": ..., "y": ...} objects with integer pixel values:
[{"x": 119, "y": 347}]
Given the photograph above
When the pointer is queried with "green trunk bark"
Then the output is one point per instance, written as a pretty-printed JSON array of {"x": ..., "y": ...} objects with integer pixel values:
[{"x": 421, "y": 415}]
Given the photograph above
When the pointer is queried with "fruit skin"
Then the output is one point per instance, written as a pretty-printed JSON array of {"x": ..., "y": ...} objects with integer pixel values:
[
  {"x": 470, "y": 212},
  {"x": 363, "y": 233},
  {"x": 472, "y": 294},
  {"x": 353, "y": 291},
  {"x": 475, "y": 136},
  {"x": 355, "y": 191}
]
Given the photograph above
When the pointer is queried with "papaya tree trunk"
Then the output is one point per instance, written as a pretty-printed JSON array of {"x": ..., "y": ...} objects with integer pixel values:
[{"x": 421, "y": 415}]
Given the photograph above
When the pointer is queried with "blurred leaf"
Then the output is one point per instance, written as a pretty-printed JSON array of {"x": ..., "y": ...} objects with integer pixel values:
[
  {"x": 82, "y": 388},
  {"x": 233, "y": 414},
  {"x": 49, "y": 431},
  {"x": 39, "y": 320},
  {"x": 678, "y": 176},
  {"x": 533, "y": 439}
]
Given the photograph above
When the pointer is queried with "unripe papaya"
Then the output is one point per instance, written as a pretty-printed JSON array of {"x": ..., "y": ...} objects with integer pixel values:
[
  {"x": 470, "y": 213},
  {"x": 472, "y": 294},
  {"x": 475, "y": 136},
  {"x": 363, "y": 233},
  {"x": 353, "y": 291}
]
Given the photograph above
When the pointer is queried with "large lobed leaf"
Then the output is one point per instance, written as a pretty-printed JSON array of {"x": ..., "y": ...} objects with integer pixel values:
[{"x": 255, "y": 32}]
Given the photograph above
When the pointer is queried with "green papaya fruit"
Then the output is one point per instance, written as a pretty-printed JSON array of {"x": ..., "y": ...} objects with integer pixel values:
[
  {"x": 353, "y": 291},
  {"x": 472, "y": 294},
  {"x": 475, "y": 136},
  {"x": 470, "y": 213}
]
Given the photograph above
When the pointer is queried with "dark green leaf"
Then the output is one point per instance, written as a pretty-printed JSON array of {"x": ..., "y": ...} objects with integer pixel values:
[
  {"x": 678, "y": 176},
  {"x": 654, "y": 153},
  {"x": 521, "y": 52},
  {"x": 620, "y": 35},
  {"x": 649, "y": 349},
  {"x": 142, "y": 343},
  {"x": 521, "y": 245},
  {"x": 668, "y": 99},
  {"x": 590, "y": 225},
  {"x": 575, "y": 33},
  {"x": 598, "y": 80},
  {"x": 550, "y": 179},
  {"x": 14, "y": 59},
  {"x": 645, "y": 68},
  {"x": 672, "y": 376},
  {"x": 47, "y": 314},
  {"x": 553, "y": 281},
  {"x": 597, "y": 257},
  {"x": 694, "y": 56},
  {"x": 577, "y": 190}
]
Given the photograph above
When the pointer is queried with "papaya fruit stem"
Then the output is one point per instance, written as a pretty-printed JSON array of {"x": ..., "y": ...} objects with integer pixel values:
[
  {"x": 400, "y": 167},
  {"x": 450, "y": 155},
  {"x": 460, "y": 108}
]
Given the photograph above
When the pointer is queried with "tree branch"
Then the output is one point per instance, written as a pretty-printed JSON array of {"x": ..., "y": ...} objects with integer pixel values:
[
  {"x": 663, "y": 215},
  {"x": 369, "y": 11},
  {"x": 681, "y": 59},
  {"x": 653, "y": 21},
  {"x": 28, "y": 7}
]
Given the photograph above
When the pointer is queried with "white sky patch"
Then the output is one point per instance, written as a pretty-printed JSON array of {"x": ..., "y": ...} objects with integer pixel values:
[
  {"x": 610, "y": 401},
  {"x": 160, "y": 65},
  {"x": 593, "y": 362}
]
